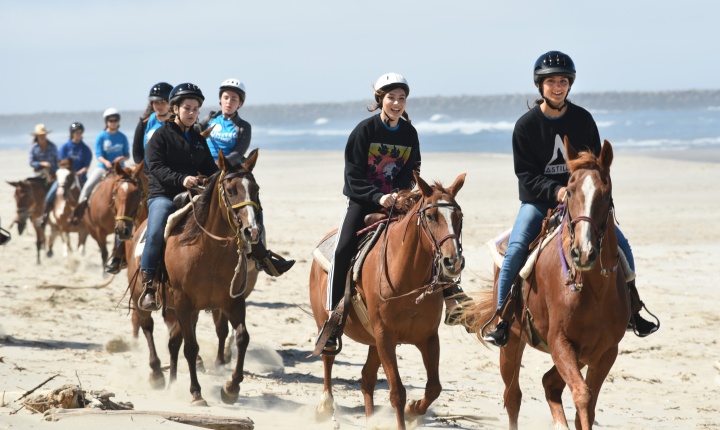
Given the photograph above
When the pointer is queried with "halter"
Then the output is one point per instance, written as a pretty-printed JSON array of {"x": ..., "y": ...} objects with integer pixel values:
[
  {"x": 436, "y": 269},
  {"x": 114, "y": 196}
]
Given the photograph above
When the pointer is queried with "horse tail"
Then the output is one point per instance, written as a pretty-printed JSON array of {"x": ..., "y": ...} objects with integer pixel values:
[{"x": 480, "y": 312}]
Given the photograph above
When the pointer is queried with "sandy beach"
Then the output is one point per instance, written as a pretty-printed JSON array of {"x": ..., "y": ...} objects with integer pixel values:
[{"x": 668, "y": 208}]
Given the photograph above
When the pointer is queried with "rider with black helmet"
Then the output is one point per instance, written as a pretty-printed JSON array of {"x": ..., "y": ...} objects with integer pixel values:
[
  {"x": 175, "y": 155},
  {"x": 540, "y": 165},
  {"x": 231, "y": 135},
  {"x": 157, "y": 112}
]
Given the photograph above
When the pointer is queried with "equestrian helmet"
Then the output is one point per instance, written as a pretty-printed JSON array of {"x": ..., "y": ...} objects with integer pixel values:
[
  {"x": 233, "y": 85},
  {"x": 160, "y": 91},
  {"x": 111, "y": 112},
  {"x": 553, "y": 63},
  {"x": 76, "y": 126},
  {"x": 390, "y": 81},
  {"x": 184, "y": 91}
]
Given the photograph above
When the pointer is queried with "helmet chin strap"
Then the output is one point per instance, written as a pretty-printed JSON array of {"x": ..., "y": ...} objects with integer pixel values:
[{"x": 550, "y": 105}]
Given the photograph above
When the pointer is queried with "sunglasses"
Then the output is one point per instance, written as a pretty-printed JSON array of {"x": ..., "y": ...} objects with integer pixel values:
[{"x": 113, "y": 120}]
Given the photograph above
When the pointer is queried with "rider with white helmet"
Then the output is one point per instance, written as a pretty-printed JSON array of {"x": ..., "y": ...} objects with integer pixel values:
[{"x": 231, "y": 135}]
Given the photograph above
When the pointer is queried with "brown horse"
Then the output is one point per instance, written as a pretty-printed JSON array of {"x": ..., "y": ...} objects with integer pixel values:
[
  {"x": 66, "y": 200},
  {"x": 207, "y": 268},
  {"x": 29, "y": 197},
  {"x": 116, "y": 204},
  {"x": 417, "y": 255},
  {"x": 577, "y": 312}
]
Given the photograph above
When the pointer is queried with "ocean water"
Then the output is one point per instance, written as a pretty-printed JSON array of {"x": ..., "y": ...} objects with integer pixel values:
[{"x": 637, "y": 122}]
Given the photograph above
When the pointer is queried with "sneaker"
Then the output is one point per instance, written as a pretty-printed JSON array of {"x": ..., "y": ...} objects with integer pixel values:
[
  {"x": 642, "y": 326},
  {"x": 499, "y": 336}
]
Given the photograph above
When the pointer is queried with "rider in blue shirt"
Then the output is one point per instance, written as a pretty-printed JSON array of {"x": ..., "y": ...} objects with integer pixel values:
[
  {"x": 43, "y": 153},
  {"x": 80, "y": 154},
  {"x": 231, "y": 135},
  {"x": 155, "y": 115}
]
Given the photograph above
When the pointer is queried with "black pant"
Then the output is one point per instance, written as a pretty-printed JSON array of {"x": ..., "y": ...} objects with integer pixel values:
[{"x": 345, "y": 247}]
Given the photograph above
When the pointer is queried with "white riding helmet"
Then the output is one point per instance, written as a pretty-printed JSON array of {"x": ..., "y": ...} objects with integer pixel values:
[
  {"x": 390, "y": 81},
  {"x": 234, "y": 85},
  {"x": 111, "y": 112}
]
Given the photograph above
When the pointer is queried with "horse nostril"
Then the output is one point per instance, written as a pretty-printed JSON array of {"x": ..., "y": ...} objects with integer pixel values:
[{"x": 575, "y": 254}]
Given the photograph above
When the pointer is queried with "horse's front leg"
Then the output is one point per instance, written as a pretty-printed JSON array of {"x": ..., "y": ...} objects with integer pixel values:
[
  {"x": 184, "y": 315},
  {"x": 369, "y": 380},
  {"x": 595, "y": 377},
  {"x": 554, "y": 386},
  {"x": 175, "y": 340},
  {"x": 40, "y": 238},
  {"x": 236, "y": 316},
  {"x": 221, "y": 330},
  {"x": 326, "y": 408},
  {"x": 386, "y": 345},
  {"x": 566, "y": 361},
  {"x": 430, "y": 352},
  {"x": 145, "y": 321},
  {"x": 510, "y": 362}
]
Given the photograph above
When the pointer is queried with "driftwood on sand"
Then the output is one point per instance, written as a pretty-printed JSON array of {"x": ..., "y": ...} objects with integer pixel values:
[{"x": 197, "y": 420}]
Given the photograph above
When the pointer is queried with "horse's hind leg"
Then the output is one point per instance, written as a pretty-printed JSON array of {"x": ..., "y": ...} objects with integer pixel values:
[
  {"x": 175, "y": 341},
  {"x": 221, "y": 329},
  {"x": 326, "y": 407},
  {"x": 596, "y": 376},
  {"x": 369, "y": 380},
  {"x": 510, "y": 361},
  {"x": 431, "y": 358},
  {"x": 236, "y": 316},
  {"x": 554, "y": 386}
]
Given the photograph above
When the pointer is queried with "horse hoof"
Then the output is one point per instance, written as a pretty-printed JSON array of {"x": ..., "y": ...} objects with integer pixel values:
[
  {"x": 157, "y": 381},
  {"x": 325, "y": 410},
  {"x": 199, "y": 402},
  {"x": 229, "y": 397},
  {"x": 412, "y": 410},
  {"x": 50, "y": 253}
]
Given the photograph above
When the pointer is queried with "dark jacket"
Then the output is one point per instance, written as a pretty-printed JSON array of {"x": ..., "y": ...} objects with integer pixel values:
[
  {"x": 378, "y": 160},
  {"x": 171, "y": 157},
  {"x": 138, "y": 147},
  {"x": 539, "y": 153}
]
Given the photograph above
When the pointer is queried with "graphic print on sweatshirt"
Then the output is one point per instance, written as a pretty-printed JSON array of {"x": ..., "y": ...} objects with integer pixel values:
[
  {"x": 557, "y": 164},
  {"x": 385, "y": 163}
]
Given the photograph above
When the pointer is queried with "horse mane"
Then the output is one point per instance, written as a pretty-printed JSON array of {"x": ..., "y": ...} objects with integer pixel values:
[
  {"x": 201, "y": 208},
  {"x": 407, "y": 199},
  {"x": 65, "y": 163},
  {"x": 585, "y": 160}
]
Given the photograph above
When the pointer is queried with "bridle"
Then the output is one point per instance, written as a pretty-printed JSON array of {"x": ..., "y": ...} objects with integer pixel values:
[
  {"x": 137, "y": 184},
  {"x": 437, "y": 277}
]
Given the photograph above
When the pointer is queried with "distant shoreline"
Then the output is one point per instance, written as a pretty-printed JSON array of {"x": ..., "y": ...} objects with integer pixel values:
[{"x": 699, "y": 155}]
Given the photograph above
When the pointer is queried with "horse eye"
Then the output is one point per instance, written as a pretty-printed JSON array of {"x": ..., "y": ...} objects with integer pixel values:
[
  {"x": 568, "y": 193},
  {"x": 232, "y": 191}
]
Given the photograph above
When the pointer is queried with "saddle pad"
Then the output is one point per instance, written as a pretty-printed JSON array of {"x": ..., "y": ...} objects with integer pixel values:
[
  {"x": 324, "y": 251},
  {"x": 173, "y": 219}
]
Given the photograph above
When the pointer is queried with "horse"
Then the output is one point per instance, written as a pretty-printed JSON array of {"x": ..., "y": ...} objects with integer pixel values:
[
  {"x": 68, "y": 194},
  {"x": 576, "y": 312},
  {"x": 29, "y": 198},
  {"x": 206, "y": 269},
  {"x": 418, "y": 256},
  {"x": 116, "y": 204}
]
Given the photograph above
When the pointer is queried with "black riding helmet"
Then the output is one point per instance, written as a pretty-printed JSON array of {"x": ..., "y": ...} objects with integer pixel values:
[
  {"x": 76, "y": 126},
  {"x": 184, "y": 91},
  {"x": 553, "y": 63},
  {"x": 160, "y": 91}
]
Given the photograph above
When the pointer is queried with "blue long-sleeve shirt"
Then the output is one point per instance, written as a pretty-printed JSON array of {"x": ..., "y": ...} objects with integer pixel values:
[
  {"x": 37, "y": 155},
  {"x": 80, "y": 155}
]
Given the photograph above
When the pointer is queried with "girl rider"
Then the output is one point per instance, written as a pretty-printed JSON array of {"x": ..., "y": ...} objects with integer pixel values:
[
  {"x": 539, "y": 158},
  {"x": 231, "y": 134},
  {"x": 156, "y": 113}
]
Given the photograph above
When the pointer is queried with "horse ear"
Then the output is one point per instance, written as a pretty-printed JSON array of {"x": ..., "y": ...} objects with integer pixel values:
[
  {"x": 569, "y": 149},
  {"x": 249, "y": 163},
  {"x": 606, "y": 155},
  {"x": 457, "y": 185},
  {"x": 221, "y": 161},
  {"x": 118, "y": 169},
  {"x": 12, "y": 183},
  {"x": 206, "y": 133},
  {"x": 139, "y": 168},
  {"x": 422, "y": 185}
]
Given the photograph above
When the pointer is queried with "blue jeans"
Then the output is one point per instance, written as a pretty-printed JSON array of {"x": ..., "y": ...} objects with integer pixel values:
[
  {"x": 159, "y": 209},
  {"x": 51, "y": 194},
  {"x": 526, "y": 228}
]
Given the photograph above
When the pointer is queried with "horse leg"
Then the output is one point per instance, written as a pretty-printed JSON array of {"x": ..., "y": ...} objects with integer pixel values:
[
  {"x": 430, "y": 352},
  {"x": 184, "y": 315},
  {"x": 510, "y": 362},
  {"x": 369, "y": 380},
  {"x": 566, "y": 362},
  {"x": 326, "y": 408},
  {"x": 231, "y": 390},
  {"x": 596, "y": 376},
  {"x": 39, "y": 241},
  {"x": 386, "y": 345},
  {"x": 221, "y": 329},
  {"x": 554, "y": 386},
  {"x": 175, "y": 341},
  {"x": 157, "y": 379},
  {"x": 51, "y": 242}
]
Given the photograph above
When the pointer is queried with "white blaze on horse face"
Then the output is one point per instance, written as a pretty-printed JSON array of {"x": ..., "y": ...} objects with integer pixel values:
[
  {"x": 446, "y": 212},
  {"x": 61, "y": 177},
  {"x": 589, "y": 189},
  {"x": 252, "y": 219},
  {"x": 124, "y": 186}
]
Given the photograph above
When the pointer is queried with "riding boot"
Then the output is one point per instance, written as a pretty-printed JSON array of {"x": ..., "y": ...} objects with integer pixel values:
[
  {"x": 117, "y": 261},
  {"x": 453, "y": 313},
  {"x": 638, "y": 324},
  {"x": 499, "y": 336},
  {"x": 148, "y": 301},
  {"x": 78, "y": 213},
  {"x": 268, "y": 261}
]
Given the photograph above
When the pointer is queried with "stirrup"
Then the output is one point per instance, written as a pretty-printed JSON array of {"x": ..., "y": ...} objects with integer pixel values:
[
  {"x": 148, "y": 289},
  {"x": 328, "y": 330}
]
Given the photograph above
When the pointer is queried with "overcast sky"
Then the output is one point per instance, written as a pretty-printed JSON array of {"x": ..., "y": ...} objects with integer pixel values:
[{"x": 83, "y": 55}]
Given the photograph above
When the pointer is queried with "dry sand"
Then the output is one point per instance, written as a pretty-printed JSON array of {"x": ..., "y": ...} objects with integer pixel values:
[{"x": 669, "y": 210}]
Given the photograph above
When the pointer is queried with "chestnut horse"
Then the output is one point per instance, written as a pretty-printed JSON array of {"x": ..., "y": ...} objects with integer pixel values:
[
  {"x": 66, "y": 200},
  {"x": 29, "y": 198},
  {"x": 414, "y": 258},
  {"x": 578, "y": 311},
  {"x": 116, "y": 204},
  {"x": 206, "y": 269}
]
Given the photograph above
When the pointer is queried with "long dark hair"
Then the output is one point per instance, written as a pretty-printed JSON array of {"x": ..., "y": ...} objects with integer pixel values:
[{"x": 380, "y": 95}]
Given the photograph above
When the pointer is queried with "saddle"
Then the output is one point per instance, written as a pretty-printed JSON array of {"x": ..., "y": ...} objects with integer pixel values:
[{"x": 322, "y": 254}]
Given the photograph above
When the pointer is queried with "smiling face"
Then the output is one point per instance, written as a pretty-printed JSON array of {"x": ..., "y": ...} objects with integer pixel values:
[
  {"x": 555, "y": 89},
  {"x": 393, "y": 105}
]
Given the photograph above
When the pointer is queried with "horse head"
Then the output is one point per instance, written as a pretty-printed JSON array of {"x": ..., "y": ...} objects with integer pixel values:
[
  {"x": 24, "y": 202},
  {"x": 68, "y": 182},
  {"x": 127, "y": 198},
  {"x": 589, "y": 203},
  {"x": 240, "y": 194},
  {"x": 441, "y": 217}
]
